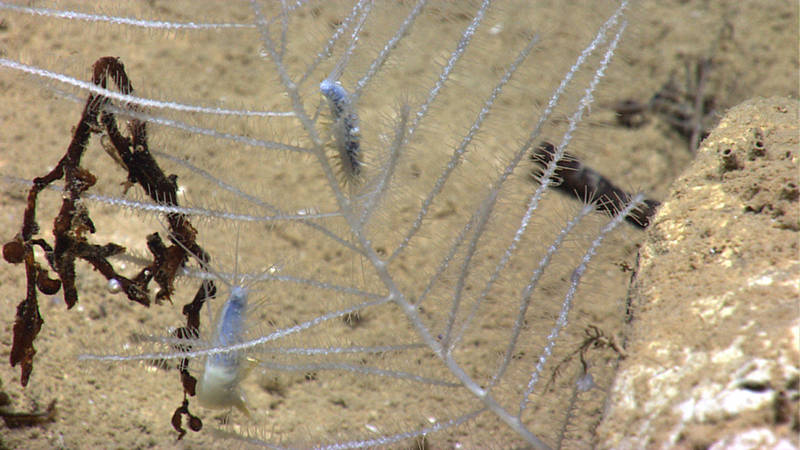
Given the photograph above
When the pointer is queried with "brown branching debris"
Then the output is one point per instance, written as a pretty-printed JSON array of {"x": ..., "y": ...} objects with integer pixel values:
[
  {"x": 595, "y": 338},
  {"x": 72, "y": 226},
  {"x": 689, "y": 109}
]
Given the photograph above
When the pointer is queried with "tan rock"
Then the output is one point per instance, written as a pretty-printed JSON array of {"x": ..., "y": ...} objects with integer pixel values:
[{"x": 715, "y": 322}]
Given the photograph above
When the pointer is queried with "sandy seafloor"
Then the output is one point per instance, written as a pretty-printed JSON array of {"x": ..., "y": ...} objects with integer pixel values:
[{"x": 129, "y": 406}]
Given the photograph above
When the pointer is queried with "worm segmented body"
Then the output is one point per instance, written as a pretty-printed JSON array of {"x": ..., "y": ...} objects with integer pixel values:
[
  {"x": 346, "y": 127},
  {"x": 219, "y": 385}
]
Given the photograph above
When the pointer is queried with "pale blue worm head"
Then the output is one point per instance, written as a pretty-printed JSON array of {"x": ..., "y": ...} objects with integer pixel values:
[
  {"x": 347, "y": 128},
  {"x": 336, "y": 94},
  {"x": 332, "y": 89},
  {"x": 231, "y": 326}
]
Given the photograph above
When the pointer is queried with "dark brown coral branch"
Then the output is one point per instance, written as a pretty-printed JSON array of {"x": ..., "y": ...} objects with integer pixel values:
[
  {"x": 195, "y": 424},
  {"x": 73, "y": 223}
]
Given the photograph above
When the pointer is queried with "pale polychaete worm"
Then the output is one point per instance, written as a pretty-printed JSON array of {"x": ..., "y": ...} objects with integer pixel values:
[
  {"x": 346, "y": 128},
  {"x": 218, "y": 387}
]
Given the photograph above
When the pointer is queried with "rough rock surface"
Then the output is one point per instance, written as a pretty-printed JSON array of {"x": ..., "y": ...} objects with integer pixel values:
[{"x": 714, "y": 327}]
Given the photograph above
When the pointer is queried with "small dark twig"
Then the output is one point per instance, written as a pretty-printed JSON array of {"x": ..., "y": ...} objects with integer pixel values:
[
  {"x": 20, "y": 420},
  {"x": 688, "y": 110},
  {"x": 595, "y": 338}
]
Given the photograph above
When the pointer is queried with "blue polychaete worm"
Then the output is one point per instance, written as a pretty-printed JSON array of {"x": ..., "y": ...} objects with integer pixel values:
[
  {"x": 218, "y": 387},
  {"x": 347, "y": 131}
]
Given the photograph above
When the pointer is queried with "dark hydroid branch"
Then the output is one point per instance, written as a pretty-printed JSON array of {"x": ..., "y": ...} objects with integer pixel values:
[{"x": 73, "y": 221}]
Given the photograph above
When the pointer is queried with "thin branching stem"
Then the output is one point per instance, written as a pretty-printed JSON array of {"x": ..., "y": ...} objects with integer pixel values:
[
  {"x": 238, "y": 138},
  {"x": 134, "y": 100},
  {"x": 308, "y": 351},
  {"x": 458, "y": 154},
  {"x": 364, "y": 370},
  {"x": 289, "y": 86},
  {"x": 153, "y": 24},
  {"x": 534, "y": 199},
  {"x": 328, "y": 49},
  {"x": 527, "y": 292},
  {"x": 433, "y": 93},
  {"x": 376, "y": 65},
  {"x": 262, "y": 277},
  {"x": 243, "y": 346},
  {"x": 566, "y": 305},
  {"x": 337, "y": 71},
  {"x": 196, "y": 211},
  {"x": 257, "y": 201},
  {"x": 372, "y": 442}
]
